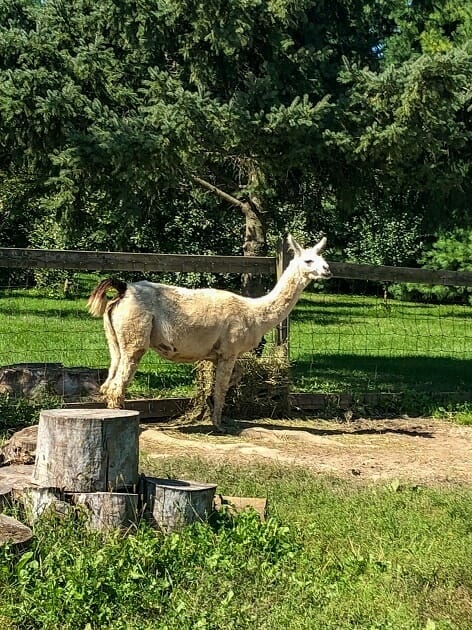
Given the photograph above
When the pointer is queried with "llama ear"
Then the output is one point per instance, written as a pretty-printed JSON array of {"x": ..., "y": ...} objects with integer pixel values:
[
  {"x": 293, "y": 245},
  {"x": 319, "y": 247}
]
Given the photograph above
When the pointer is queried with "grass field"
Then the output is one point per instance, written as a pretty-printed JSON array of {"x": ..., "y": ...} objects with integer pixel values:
[
  {"x": 331, "y": 555},
  {"x": 337, "y": 343}
]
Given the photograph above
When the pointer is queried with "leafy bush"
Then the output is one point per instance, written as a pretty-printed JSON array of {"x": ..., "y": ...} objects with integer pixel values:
[
  {"x": 18, "y": 412},
  {"x": 71, "y": 578},
  {"x": 378, "y": 238},
  {"x": 452, "y": 251}
]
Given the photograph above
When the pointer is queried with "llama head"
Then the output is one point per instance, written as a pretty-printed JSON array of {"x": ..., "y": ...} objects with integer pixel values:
[{"x": 309, "y": 261}]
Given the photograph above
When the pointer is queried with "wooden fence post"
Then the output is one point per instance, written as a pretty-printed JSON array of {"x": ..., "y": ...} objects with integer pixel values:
[{"x": 283, "y": 329}]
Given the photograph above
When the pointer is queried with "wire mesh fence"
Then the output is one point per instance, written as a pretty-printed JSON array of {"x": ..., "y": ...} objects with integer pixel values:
[
  {"x": 344, "y": 337},
  {"x": 365, "y": 341}
]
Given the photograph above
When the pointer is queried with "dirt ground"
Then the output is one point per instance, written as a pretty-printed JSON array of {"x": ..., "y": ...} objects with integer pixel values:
[{"x": 419, "y": 450}]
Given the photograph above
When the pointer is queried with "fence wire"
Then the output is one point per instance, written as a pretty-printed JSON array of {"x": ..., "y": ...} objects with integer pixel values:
[
  {"x": 344, "y": 339},
  {"x": 366, "y": 341}
]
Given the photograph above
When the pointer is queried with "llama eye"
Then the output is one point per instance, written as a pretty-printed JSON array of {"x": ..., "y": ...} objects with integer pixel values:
[{"x": 308, "y": 262}]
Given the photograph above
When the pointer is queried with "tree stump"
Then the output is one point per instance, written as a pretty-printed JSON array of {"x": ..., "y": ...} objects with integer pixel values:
[
  {"x": 38, "y": 501},
  {"x": 13, "y": 480},
  {"x": 108, "y": 510},
  {"x": 87, "y": 450},
  {"x": 170, "y": 504}
]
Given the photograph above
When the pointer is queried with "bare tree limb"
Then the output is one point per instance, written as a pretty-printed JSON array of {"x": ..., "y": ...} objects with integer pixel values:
[{"x": 243, "y": 206}]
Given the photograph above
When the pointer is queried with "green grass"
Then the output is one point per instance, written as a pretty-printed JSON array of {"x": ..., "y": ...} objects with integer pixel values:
[
  {"x": 331, "y": 555},
  {"x": 338, "y": 343},
  {"x": 41, "y": 329},
  {"x": 346, "y": 343}
]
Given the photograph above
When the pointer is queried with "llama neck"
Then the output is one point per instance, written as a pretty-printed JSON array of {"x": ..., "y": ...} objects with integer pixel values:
[{"x": 276, "y": 305}]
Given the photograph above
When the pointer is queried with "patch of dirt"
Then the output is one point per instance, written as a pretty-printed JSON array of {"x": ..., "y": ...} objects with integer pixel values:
[{"x": 414, "y": 450}]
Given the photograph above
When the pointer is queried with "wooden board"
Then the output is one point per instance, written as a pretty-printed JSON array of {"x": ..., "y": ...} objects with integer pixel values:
[
  {"x": 17, "y": 257},
  {"x": 238, "y": 504}
]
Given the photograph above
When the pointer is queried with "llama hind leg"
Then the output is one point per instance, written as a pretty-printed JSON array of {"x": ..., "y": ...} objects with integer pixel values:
[
  {"x": 224, "y": 370},
  {"x": 114, "y": 351},
  {"x": 133, "y": 342},
  {"x": 127, "y": 367}
]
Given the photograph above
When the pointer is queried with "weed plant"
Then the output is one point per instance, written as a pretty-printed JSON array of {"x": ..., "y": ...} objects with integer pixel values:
[{"x": 331, "y": 555}]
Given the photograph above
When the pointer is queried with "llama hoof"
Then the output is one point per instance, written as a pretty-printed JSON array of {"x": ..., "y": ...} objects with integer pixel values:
[{"x": 219, "y": 429}]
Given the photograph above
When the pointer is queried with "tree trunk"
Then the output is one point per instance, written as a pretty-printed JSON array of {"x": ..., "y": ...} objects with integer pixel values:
[
  {"x": 254, "y": 245},
  {"x": 87, "y": 450}
]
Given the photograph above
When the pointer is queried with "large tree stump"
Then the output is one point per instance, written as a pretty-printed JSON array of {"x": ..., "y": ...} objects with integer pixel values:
[
  {"x": 170, "y": 504},
  {"x": 108, "y": 510},
  {"x": 87, "y": 450}
]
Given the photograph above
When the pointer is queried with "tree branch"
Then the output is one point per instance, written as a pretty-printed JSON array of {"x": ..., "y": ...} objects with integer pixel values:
[{"x": 243, "y": 206}]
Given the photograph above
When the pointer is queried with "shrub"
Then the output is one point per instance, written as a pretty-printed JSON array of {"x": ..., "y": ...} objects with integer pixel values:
[{"x": 451, "y": 250}]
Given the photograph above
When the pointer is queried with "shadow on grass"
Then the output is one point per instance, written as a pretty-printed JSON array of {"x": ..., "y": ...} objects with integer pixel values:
[
  {"x": 350, "y": 372},
  {"x": 46, "y": 313}
]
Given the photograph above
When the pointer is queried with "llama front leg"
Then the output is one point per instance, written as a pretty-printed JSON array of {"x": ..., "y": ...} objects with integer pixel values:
[{"x": 224, "y": 370}]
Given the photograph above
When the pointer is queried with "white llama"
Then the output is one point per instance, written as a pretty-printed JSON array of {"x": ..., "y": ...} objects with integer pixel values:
[{"x": 188, "y": 325}]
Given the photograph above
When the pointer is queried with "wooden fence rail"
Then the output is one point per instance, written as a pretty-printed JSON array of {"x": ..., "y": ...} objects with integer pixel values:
[{"x": 125, "y": 261}]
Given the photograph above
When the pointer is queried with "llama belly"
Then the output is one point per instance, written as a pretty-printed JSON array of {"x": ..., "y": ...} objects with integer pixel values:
[{"x": 182, "y": 355}]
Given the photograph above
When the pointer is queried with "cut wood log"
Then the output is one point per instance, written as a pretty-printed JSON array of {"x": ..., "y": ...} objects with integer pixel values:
[
  {"x": 108, "y": 510},
  {"x": 34, "y": 380},
  {"x": 87, "y": 450},
  {"x": 13, "y": 532},
  {"x": 13, "y": 480},
  {"x": 239, "y": 504},
  {"x": 20, "y": 448},
  {"x": 171, "y": 504},
  {"x": 41, "y": 501}
]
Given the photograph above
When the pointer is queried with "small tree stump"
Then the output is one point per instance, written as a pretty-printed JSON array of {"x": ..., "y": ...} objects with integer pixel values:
[
  {"x": 87, "y": 450},
  {"x": 38, "y": 501},
  {"x": 108, "y": 510},
  {"x": 13, "y": 532},
  {"x": 170, "y": 504},
  {"x": 238, "y": 504}
]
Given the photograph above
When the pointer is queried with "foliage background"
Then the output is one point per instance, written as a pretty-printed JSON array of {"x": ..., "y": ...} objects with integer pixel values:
[{"x": 348, "y": 118}]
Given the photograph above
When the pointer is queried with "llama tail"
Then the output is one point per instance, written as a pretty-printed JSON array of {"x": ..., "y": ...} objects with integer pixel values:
[{"x": 98, "y": 302}]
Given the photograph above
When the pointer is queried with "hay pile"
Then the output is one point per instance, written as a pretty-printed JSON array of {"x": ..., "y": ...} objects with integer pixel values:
[{"x": 263, "y": 390}]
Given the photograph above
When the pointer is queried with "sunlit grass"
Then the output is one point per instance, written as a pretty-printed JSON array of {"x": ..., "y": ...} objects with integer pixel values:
[
  {"x": 352, "y": 343},
  {"x": 331, "y": 555},
  {"x": 337, "y": 343}
]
